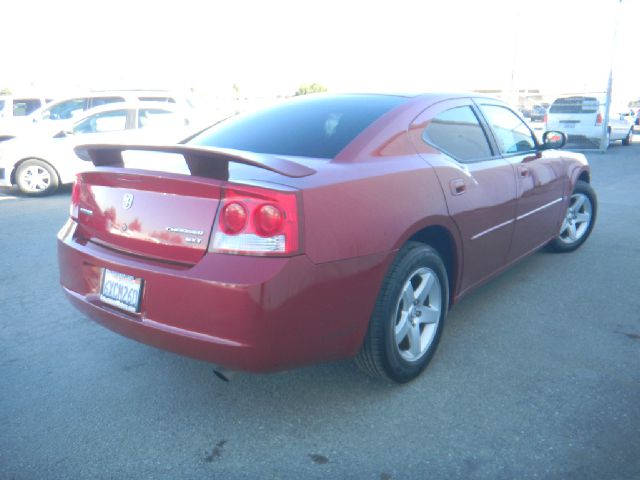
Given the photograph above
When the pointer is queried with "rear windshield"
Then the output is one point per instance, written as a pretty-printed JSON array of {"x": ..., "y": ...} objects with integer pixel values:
[
  {"x": 575, "y": 105},
  {"x": 315, "y": 126}
]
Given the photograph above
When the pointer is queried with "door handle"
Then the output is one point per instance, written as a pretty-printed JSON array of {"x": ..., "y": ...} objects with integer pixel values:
[{"x": 458, "y": 187}]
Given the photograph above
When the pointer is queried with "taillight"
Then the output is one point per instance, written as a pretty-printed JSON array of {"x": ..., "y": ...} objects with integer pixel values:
[
  {"x": 546, "y": 119},
  {"x": 257, "y": 221},
  {"x": 599, "y": 119},
  {"x": 75, "y": 197},
  {"x": 233, "y": 218}
]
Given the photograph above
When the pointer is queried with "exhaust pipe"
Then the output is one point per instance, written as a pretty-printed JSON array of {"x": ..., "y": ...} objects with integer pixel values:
[{"x": 223, "y": 374}]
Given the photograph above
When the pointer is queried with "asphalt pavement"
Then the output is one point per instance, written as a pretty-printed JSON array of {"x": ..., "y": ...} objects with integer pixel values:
[{"x": 537, "y": 376}]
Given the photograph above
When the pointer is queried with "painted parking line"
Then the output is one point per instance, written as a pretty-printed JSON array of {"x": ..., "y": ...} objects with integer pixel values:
[{"x": 7, "y": 197}]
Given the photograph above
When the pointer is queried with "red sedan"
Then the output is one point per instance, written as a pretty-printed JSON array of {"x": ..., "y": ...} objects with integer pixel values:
[{"x": 325, "y": 227}]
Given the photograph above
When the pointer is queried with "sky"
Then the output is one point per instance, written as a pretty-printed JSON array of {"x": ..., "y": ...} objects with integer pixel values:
[{"x": 269, "y": 48}]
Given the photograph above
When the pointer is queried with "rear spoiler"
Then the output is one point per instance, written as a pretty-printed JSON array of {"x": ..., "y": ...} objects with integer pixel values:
[{"x": 202, "y": 161}]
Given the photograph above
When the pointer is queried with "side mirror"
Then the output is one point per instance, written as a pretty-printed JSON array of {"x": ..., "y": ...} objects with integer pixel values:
[{"x": 553, "y": 140}]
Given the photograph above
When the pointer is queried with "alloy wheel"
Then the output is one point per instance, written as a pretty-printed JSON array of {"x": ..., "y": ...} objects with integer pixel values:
[
  {"x": 417, "y": 314},
  {"x": 577, "y": 220}
]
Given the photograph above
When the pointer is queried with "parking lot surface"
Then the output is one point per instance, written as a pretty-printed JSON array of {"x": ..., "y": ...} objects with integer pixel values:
[{"x": 537, "y": 376}]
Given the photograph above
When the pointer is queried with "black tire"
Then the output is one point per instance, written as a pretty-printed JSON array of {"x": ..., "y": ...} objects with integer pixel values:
[
  {"x": 628, "y": 140},
  {"x": 565, "y": 241},
  {"x": 36, "y": 178},
  {"x": 382, "y": 355}
]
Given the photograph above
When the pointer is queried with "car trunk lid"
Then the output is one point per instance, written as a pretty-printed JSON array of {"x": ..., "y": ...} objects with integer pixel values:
[{"x": 154, "y": 213}]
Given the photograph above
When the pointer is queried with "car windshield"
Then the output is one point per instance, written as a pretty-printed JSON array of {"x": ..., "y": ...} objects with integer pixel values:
[
  {"x": 575, "y": 105},
  {"x": 315, "y": 126}
]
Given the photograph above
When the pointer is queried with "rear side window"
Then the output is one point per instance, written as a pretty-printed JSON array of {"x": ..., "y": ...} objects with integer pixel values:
[
  {"x": 97, "y": 101},
  {"x": 575, "y": 105},
  {"x": 511, "y": 133},
  {"x": 157, "y": 99},
  {"x": 458, "y": 133},
  {"x": 113, "y": 121},
  {"x": 24, "y": 107},
  {"x": 158, "y": 118},
  {"x": 315, "y": 126}
]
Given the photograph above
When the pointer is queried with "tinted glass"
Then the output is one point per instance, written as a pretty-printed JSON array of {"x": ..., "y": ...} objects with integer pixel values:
[
  {"x": 315, "y": 126},
  {"x": 157, "y": 118},
  {"x": 458, "y": 133},
  {"x": 103, "y": 122},
  {"x": 25, "y": 106},
  {"x": 575, "y": 105},
  {"x": 157, "y": 99},
  {"x": 65, "y": 110},
  {"x": 511, "y": 133},
  {"x": 105, "y": 100}
]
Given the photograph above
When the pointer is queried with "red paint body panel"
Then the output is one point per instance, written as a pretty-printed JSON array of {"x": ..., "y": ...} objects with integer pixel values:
[
  {"x": 356, "y": 211},
  {"x": 247, "y": 313}
]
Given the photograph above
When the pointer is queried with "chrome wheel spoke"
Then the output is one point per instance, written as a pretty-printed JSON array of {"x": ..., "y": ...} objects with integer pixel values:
[
  {"x": 578, "y": 203},
  {"x": 572, "y": 231},
  {"x": 426, "y": 283},
  {"x": 403, "y": 327},
  {"x": 408, "y": 295},
  {"x": 583, "y": 218},
  {"x": 415, "y": 341}
]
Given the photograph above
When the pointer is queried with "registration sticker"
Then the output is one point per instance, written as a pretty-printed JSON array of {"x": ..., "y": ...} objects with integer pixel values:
[{"x": 120, "y": 290}]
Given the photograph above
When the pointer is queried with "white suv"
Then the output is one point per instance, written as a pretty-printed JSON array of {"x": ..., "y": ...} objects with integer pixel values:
[
  {"x": 12, "y": 106},
  {"x": 72, "y": 107},
  {"x": 581, "y": 119}
]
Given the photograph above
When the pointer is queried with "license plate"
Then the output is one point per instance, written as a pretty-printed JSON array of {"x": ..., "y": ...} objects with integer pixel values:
[
  {"x": 568, "y": 125},
  {"x": 120, "y": 290}
]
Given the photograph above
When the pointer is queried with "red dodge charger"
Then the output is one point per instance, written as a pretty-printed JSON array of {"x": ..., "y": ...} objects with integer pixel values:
[{"x": 324, "y": 227}]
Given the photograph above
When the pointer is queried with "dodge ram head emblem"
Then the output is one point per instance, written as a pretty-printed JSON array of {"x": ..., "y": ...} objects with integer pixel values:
[{"x": 127, "y": 201}]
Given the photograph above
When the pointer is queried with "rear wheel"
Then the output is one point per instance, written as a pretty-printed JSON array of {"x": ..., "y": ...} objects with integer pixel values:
[
  {"x": 579, "y": 219},
  {"x": 628, "y": 140},
  {"x": 35, "y": 177},
  {"x": 409, "y": 315}
]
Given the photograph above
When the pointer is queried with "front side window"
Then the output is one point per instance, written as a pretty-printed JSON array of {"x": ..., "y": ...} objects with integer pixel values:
[
  {"x": 114, "y": 121},
  {"x": 512, "y": 134},
  {"x": 458, "y": 133}
]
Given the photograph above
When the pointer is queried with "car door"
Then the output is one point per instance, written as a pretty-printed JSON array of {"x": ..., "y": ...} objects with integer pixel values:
[
  {"x": 478, "y": 184},
  {"x": 540, "y": 183}
]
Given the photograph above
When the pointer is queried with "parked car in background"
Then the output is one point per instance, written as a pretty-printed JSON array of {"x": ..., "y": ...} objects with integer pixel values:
[
  {"x": 44, "y": 159},
  {"x": 15, "y": 107},
  {"x": 537, "y": 113},
  {"x": 69, "y": 108},
  {"x": 581, "y": 119},
  {"x": 321, "y": 228}
]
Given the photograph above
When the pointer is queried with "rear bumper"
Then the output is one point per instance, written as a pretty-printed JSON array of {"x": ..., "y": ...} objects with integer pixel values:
[{"x": 243, "y": 313}]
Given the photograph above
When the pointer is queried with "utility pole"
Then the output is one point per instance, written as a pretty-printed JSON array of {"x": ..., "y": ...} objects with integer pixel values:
[{"x": 605, "y": 123}]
